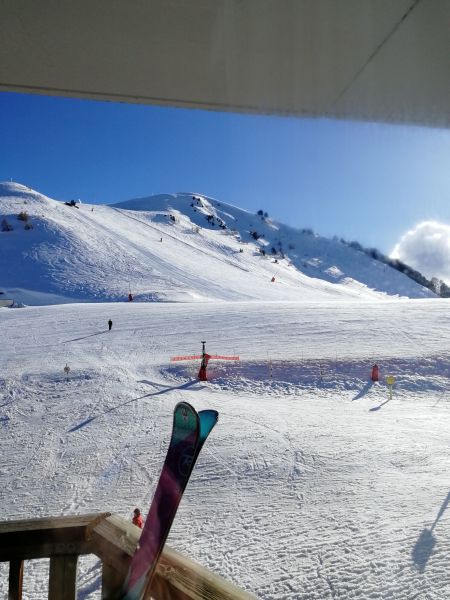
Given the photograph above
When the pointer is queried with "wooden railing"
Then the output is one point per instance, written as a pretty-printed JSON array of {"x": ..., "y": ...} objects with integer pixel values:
[{"x": 114, "y": 540}]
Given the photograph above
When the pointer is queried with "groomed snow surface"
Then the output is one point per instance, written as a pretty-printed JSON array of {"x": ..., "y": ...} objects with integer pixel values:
[{"x": 312, "y": 486}]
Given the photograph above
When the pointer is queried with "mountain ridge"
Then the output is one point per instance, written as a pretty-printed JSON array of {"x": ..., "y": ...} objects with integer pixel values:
[{"x": 176, "y": 248}]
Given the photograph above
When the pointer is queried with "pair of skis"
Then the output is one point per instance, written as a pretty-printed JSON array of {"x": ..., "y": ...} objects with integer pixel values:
[{"x": 189, "y": 433}]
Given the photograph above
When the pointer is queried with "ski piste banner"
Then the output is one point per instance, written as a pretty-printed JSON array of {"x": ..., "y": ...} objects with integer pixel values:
[
  {"x": 189, "y": 433},
  {"x": 198, "y": 356}
]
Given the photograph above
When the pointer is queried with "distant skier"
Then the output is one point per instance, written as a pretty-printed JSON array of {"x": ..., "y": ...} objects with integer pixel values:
[
  {"x": 137, "y": 518},
  {"x": 130, "y": 297},
  {"x": 109, "y": 324}
]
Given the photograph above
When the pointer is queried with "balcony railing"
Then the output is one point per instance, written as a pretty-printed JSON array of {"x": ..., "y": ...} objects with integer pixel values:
[{"x": 114, "y": 540}]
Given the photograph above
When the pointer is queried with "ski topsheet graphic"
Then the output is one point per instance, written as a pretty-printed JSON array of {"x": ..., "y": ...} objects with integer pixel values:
[{"x": 190, "y": 430}]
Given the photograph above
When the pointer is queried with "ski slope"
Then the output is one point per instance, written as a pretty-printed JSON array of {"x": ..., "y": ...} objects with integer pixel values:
[
  {"x": 176, "y": 248},
  {"x": 312, "y": 486}
]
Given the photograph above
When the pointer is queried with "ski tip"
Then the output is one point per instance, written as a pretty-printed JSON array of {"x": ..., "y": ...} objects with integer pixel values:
[
  {"x": 208, "y": 418},
  {"x": 209, "y": 415},
  {"x": 186, "y": 414},
  {"x": 184, "y": 404},
  {"x": 204, "y": 415}
]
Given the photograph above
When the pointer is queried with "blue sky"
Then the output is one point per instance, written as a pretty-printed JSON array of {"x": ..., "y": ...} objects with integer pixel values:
[{"x": 361, "y": 181}]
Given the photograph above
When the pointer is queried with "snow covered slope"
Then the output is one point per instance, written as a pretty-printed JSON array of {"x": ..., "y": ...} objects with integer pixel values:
[
  {"x": 313, "y": 486},
  {"x": 180, "y": 247}
]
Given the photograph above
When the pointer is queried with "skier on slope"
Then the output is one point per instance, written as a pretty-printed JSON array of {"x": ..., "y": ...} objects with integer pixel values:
[
  {"x": 137, "y": 518},
  {"x": 109, "y": 324}
]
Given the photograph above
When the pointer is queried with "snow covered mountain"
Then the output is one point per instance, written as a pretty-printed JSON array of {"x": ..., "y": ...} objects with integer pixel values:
[{"x": 179, "y": 247}]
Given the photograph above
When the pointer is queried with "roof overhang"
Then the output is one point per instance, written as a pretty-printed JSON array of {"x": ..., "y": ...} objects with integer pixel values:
[{"x": 373, "y": 60}]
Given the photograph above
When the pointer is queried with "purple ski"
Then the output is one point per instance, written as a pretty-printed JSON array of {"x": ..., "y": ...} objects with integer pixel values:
[{"x": 190, "y": 430}]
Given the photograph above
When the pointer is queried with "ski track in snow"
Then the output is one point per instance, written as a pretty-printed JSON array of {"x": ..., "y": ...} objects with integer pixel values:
[{"x": 312, "y": 486}]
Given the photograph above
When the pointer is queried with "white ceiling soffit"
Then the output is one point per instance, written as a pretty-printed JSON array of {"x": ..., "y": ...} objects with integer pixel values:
[{"x": 377, "y": 60}]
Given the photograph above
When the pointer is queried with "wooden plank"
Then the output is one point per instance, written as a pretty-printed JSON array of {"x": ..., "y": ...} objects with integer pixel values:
[
  {"x": 114, "y": 540},
  {"x": 49, "y": 522},
  {"x": 180, "y": 578},
  {"x": 15, "y": 580},
  {"x": 161, "y": 589},
  {"x": 40, "y": 550},
  {"x": 177, "y": 577},
  {"x": 63, "y": 578},
  {"x": 38, "y": 538}
]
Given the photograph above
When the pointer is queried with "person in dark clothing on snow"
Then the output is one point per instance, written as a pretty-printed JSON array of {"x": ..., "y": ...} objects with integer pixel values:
[
  {"x": 137, "y": 518},
  {"x": 109, "y": 324}
]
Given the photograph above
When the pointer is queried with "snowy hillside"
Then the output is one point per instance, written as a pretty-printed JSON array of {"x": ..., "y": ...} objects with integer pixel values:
[
  {"x": 180, "y": 247},
  {"x": 313, "y": 485}
]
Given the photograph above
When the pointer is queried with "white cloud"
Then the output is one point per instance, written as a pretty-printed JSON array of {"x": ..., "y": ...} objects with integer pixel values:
[{"x": 427, "y": 249}]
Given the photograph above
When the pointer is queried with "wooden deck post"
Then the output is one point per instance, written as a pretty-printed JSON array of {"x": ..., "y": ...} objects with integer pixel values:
[
  {"x": 112, "y": 582},
  {"x": 15, "y": 579},
  {"x": 63, "y": 577}
]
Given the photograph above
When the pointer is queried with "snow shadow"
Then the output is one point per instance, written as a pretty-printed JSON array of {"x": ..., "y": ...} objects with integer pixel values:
[
  {"x": 346, "y": 374},
  {"x": 364, "y": 390},
  {"x": 86, "y": 592},
  {"x": 87, "y": 589},
  {"x": 82, "y": 424},
  {"x": 86, "y": 336},
  {"x": 441, "y": 511},
  {"x": 379, "y": 406},
  {"x": 423, "y": 548},
  {"x": 158, "y": 393}
]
